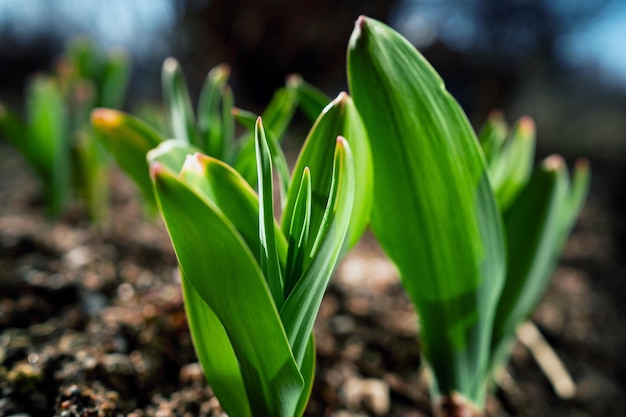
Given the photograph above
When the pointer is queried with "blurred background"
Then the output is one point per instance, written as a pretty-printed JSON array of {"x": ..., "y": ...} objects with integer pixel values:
[{"x": 563, "y": 62}]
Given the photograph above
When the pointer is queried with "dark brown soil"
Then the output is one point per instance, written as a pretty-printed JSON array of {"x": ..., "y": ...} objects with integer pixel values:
[{"x": 92, "y": 322}]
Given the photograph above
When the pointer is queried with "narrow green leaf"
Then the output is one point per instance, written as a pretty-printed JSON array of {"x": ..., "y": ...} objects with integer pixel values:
[
  {"x": 13, "y": 129},
  {"x": 301, "y": 306},
  {"x": 48, "y": 140},
  {"x": 280, "y": 110},
  {"x": 492, "y": 135},
  {"x": 128, "y": 139},
  {"x": 228, "y": 125},
  {"x": 512, "y": 164},
  {"x": 434, "y": 211},
  {"x": 270, "y": 264},
  {"x": 533, "y": 235},
  {"x": 215, "y": 353},
  {"x": 210, "y": 126},
  {"x": 307, "y": 369},
  {"x": 219, "y": 265},
  {"x": 90, "y": 172},
  {"x": 116, "y": 75},
  {"x": 339, "y": 118},
  {"x": 311, "y": 100},
  {"x": 246, "y": 162},
  {"x": 176, "y": 97},
  {"x": 298, "y": 233},
  {"x": 575, "y": 197}
]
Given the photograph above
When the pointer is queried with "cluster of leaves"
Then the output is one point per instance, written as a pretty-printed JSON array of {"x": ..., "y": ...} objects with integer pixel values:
[
  {"x": 253, "y": 330},
  {"x": 473, "y": 230},
  {"x": 55, "y": 136}
]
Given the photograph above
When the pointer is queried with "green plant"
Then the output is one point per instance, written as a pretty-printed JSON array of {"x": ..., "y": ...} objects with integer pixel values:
[
  {"x": 474, "y": 243},
  {"x": 211, "y": 131},
  {"x": 56, "y": 139},
  {"x": 253, "y": 331},
  {"x": 252, "y": 290}
]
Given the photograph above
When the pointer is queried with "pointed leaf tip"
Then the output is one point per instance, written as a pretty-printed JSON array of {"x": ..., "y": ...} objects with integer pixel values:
[
  {"x": 526, "y": 125},
  {"x": 170, "y": 64},
  {"x": 155, "y": 169},
  {"x": 554, "y": 163},
  {"x": 104, "y": 118}
]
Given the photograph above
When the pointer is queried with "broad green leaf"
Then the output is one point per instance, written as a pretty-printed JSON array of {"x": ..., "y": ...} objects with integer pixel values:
[
  {"x": 228, "y": 124},
  {"x": 215, "y": 353},
  {"x": 270, "y": 264},
  {"x": 210, "y": 121},
  {"x": 217, "y": 262},
  {"x": 223, "y": 186},
  {"x": 171, "y": 153},
  {"x": 512, "y": 164},
  {"x": 533, "y": 235},
  {"x": 301, "y": 306},
  {"x": 339, "y": 118},
  {"x": 128, "y": 139},
  {"x": 311, "y": 100},
  {"x": 176, "y": 97},
  {"x": 434, "y": 211}
]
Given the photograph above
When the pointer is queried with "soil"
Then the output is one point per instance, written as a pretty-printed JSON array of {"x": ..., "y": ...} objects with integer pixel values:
[{"x": 92, "y": 321}]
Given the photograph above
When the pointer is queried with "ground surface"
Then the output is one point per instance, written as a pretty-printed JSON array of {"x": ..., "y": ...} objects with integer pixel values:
[{"x": 92, "y": 324}]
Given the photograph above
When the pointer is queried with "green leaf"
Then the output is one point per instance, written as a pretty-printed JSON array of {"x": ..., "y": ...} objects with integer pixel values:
[
  {"x": 270, "y": 264},
  {"x": 512, "y": 164},
  {"x": 13, "y": 129},
  {"x": 246, "y": 163},
  {"x": 339, "y": 118},
  {"x": 176, "y": 97},
  {"x": 215, "y": 353},
  {"x": 575, "y": 198},
  {"x": 492, "y": 135},
  {"x": 210, "y": 122},
  {"x": 298, "y": 233},
  {"x": 90, "y": 172},
  {"x": 222, "y": 185},
  {"x": 217, "y": 262},
  {"x": 280, "y": 110},
  {"x": 307, "y": 369},
  {"x": 48, "y": 140},
  {"x": 116, "y": 75},
  {"x": 301, "y": 306},
  {"x": 128, "y": 139},
  {"x": 311, "y": 100},
  {"x": 434, "y": 212},
  {"x": 533, "y": 231}
]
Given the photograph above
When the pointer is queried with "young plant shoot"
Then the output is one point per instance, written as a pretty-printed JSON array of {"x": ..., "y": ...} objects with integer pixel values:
[
  {"x": 56, "y": 138},
  {"x": 253, "y": 287},
  {"x": 449, "y": 221}
]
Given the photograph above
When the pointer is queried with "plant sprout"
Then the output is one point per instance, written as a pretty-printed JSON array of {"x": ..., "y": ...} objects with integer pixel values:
[
  {"x": 56, "y": 139},
  {"x": 474, "y": 242},
  {"x": 251, "y": 290}
]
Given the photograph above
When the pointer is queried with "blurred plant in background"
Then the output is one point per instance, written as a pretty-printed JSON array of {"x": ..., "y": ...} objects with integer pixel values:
[{"x": 55, "y": 135}]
